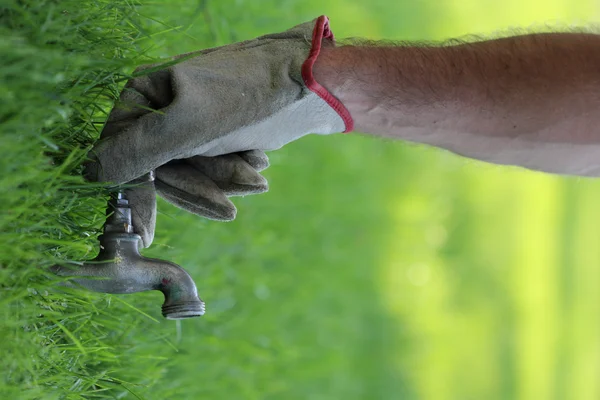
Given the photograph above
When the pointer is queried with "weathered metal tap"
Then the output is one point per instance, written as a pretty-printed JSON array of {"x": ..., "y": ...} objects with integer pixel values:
[{"x": 119, "y": 268}]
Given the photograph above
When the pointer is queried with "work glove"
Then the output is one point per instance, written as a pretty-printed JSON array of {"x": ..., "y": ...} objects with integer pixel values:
[
  {"x": 198, "y": 184},
  {"x": 229, "y": 103}
]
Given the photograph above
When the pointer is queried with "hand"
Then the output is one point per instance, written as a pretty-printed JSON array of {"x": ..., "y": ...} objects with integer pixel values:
[
  {"x": 202, "y": 123},
  {"x": 197, "y": 184},
  {"x": 255, "y": 95}
]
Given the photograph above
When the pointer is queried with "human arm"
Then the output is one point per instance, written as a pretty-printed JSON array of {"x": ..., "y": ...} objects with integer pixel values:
[{"x": 531, "y": 101}]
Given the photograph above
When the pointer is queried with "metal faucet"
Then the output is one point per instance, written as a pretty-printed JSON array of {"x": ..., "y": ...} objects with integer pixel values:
[{"x": 119, "y": 268}]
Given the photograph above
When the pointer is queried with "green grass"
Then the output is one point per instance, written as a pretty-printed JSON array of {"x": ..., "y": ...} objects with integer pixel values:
[
  {"x": 288, "y": 305},
  {"x": 61, "y": 64},
  {"x": 371, "y": 270}
]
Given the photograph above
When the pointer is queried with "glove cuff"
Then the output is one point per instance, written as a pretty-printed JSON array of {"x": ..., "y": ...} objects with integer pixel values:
[{"x": 321, "y": 31}]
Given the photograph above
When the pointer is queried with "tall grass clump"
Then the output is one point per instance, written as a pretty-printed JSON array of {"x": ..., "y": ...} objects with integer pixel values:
[
  {"x": 291, "y": 285},
  {"x": 63, "y": 63}
]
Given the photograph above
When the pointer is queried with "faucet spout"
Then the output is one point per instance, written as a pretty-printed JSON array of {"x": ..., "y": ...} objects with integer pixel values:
[{"x": 119, "y": 268}]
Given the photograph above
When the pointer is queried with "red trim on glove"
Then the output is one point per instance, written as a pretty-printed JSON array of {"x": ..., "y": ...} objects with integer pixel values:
[{"x": 321, "y": 32}]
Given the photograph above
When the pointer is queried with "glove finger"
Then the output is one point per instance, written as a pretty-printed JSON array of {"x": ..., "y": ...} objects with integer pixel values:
[
  {"x": 155, "y": 86},
  {"x": 130, "y": 146},
  {"x": 142, "y": 200},
  {"x": 256, "y": 158},
  {"x": 183, "y": 186},
  {"x": 130, "y": 106},
  {"x": 129, "y": 153},
  {"x": 233, "y": 175}
]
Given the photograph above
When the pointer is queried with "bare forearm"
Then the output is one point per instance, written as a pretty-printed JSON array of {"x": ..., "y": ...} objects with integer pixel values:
[{"x": 532, "y": 101}]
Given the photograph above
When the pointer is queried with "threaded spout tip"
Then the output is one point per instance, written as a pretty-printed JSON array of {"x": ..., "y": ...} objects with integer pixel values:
[{"x": 184, "y": 309}]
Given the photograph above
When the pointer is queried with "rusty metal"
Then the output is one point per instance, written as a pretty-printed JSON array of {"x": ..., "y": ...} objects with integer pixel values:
[{"x": 119, "y": 268}]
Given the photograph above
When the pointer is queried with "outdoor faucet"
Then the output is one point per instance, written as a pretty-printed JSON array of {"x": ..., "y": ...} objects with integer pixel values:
[{"x": 119, "y": 268}]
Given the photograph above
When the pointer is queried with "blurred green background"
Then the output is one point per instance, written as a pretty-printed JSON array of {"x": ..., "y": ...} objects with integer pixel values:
[{"x": 372, "y": 269}]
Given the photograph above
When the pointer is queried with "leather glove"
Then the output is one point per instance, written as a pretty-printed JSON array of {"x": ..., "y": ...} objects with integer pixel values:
[
  {"x": 198, "y": 184},
  {"x": 249, "y": 96},
  {"x": 255, "y": 95}
]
